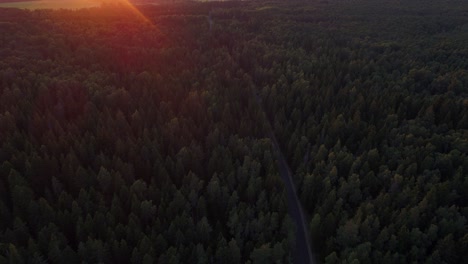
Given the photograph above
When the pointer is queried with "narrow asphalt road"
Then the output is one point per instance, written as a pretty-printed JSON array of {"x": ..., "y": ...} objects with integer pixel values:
[{"x": 303, "y": 254}]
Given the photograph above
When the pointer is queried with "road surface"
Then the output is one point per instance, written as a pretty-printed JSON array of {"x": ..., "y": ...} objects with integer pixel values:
[{"x": 303, "y": 252}]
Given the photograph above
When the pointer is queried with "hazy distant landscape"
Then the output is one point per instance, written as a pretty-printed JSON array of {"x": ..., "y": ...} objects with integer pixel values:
[
  {"x": 49, "y": 4},
  {"x": 234, "y": 132},
  {"x": 13, "y": 1},
  {"x": 65, "y": 4}
]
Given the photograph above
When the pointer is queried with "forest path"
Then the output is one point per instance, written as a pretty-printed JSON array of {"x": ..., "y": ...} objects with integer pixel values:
[{"x": 303, "y": 254}]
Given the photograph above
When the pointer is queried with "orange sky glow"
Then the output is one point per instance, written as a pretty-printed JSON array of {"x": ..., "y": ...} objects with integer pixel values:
[
  {"x": 73, "y": 4},
  {"x": 127, "y": 4}
]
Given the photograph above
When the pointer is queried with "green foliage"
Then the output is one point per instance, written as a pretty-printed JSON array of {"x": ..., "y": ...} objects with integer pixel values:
[
  {"x": 361, "y": 109},
  {"x": 112, "y": 153},
  {"x": 124, "y": 141}
]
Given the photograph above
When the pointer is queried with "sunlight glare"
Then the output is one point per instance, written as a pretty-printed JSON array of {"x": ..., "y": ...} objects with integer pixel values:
[{"x": 129, "y": 5}]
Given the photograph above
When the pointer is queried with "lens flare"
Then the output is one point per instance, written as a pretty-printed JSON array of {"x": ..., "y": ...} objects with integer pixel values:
[{"x": 128, "y": 4}]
